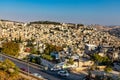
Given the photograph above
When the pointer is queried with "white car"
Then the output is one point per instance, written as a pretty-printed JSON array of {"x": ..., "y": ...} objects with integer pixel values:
[
  {"x": 38, "y": 75},
  {"x": 63, "y": 73},
  {"x": 55, "y": 69}
]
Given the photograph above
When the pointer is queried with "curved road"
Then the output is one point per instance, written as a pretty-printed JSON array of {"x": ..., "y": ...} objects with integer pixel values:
[
  {"x": 50, "y": 75},
  {"x": 32, "y": 68}
]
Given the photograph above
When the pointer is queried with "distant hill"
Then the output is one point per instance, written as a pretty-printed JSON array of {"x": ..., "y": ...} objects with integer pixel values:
[
  {"x": 102, "y": 28},
  {"x": 45, "y": 22},
  {"x": 112, "y": 30},
  {"x": 105, "y": 28},
  {"x": 10, "y": 21},
  {"x": 115, "y": 32}
]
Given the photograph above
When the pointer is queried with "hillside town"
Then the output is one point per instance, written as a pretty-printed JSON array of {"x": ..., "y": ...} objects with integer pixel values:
[{"x": 76, "y": 47}]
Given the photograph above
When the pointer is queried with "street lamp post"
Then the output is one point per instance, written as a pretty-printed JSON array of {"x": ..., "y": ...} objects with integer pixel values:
[
  {"x": 28, "y": 66},
  {"x": 0, "y": 56}
]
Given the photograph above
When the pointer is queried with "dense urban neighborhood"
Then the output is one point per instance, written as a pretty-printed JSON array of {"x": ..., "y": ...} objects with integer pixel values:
[{"x": 63, "y": 51}]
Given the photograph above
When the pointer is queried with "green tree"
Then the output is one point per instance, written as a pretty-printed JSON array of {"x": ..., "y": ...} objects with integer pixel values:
[
  {"x": 48, "y": 57},
  {"x": 50, "y": 48},
  {"x": 11, "y": 48},
  {"x": 9, "y": 67},
  {"x": 71, "y": 61},
  {"x": 33, "y": 51},
  {"x": 108, "y": 69},
  {"x": 101, "y": 60},
  {"x": 38, "y": 60},
  {"x": 8, "y": 63}
]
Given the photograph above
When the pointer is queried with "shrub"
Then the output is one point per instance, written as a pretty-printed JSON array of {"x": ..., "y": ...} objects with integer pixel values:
[
  {"x": 101, "y": 60},
  {"x": 9, "y": 67},
  {"x": 108, "y": 69},
  {"x": 71, "y": 61},
  {"x": 11, "y": 48},
  {"x": 48, "y": 57}
]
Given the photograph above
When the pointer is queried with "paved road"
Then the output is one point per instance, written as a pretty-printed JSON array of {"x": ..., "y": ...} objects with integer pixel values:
[
  {"x": 32, "y": 69},
  {"x": 50, "y": 75}
]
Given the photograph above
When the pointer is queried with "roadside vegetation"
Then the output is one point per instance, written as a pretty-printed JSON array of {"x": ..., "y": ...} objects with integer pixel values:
[
  {"x": 11, "y": 48},
  {"x": 9, "y": 71},
  {"x": 46, "y": 53},
  {"x": 50, "y": 48},
  {"x": 70, "y": 61},
  {"x": 99, "y": 60}
]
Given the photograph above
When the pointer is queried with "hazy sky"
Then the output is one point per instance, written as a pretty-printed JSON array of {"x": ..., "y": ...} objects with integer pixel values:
[{"x": 77, "y": 11}]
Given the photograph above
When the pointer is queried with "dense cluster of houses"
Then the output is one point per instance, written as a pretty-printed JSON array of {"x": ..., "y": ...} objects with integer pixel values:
[{"x": 78, "y": 40}]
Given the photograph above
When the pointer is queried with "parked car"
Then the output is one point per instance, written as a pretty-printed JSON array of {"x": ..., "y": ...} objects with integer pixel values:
[
  {"x": 37, "y": 75},
  {"x": 63, "y": 73},
  {"x": 23, "y": 69},
  {"x": 55, "y": 69}
]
